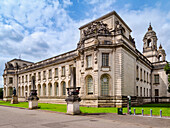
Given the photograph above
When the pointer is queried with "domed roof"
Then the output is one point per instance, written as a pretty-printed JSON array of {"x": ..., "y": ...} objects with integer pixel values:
[
  {"x": 150, "y": 32},
  {"x": 161, "y": 50}
]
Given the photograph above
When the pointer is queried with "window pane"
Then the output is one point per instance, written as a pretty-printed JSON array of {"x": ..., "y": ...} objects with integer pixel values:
[
  {"x": 105, "y": 59},
  {"x": 56, "y": 72},
  {"x": 90, "y": 85},
  {"x": 89, "y": 61},
  {"x": 10, "y": 80},
  {"x": 56, "y": 85},
  {"x": 45, "y": 90},
  {"x": 156, "y": 78},
  {"x": 63, "y": 71},
  {"x": 50, "y": 73},
  {"x": 44, "y": 74},
  {"x": 104, "y": 86},
  {"x": 50, "y": 90},
  {"x": 137, "y": 72}
]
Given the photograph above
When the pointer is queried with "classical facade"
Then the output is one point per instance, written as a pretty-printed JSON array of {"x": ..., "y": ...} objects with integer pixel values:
[{"x": 108, "y": 68}]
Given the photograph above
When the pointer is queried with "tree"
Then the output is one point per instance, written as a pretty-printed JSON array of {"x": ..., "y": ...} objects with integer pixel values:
[
  {"x": 1, "y": 93},
  {"x": 167, "y": 69}
]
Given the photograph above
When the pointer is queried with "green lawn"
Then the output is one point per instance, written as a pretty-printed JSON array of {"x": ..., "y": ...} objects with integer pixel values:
[{"x": 63, "y": 108}]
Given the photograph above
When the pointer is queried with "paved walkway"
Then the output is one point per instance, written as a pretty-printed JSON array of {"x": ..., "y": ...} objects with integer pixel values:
[{"x": 24, "y": 118}]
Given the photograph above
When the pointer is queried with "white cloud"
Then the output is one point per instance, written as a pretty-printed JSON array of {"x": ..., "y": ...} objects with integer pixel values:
[
  {"x": 139, "y": 22},
  {"x": 35, "y": 29},
  {"x": 67, "y": 3},
  {"x": 41, "y": 29}
]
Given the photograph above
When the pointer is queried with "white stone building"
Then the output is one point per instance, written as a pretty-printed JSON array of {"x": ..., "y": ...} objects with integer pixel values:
[{"x": 108, "y": 68}]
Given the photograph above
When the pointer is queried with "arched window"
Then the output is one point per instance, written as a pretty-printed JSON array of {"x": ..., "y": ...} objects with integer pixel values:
[
  {"x": 26, "y": 91},
  {"x": 44, "y": 90},
  {"x": 104, "y": 85},
  {"x": 56, "y": 89},
  {"x": 63, "y": 88},
  {"x": 22, "y": 90},
  {"x": 160, "y": 58},
  {"x": 149, "y": 42},
  {"x": 19, "y": 91},
  {"x": 50, "y": 89},
  {"x": 89, "y": 81},
  {"x": 39, "y": 90}
]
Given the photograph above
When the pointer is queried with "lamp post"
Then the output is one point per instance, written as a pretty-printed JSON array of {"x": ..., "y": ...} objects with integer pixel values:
[{"x": 129, "y": 105}]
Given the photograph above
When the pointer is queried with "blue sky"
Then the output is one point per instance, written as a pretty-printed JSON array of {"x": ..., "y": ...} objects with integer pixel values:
[{"x": 39, "y": 29}]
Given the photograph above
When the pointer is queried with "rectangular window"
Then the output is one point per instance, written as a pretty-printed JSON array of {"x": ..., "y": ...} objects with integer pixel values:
[
  {"x": 44, "y": 74},
  {"x": 10, "y": 80},
  {"x": 56, "y": 72},
  {"x": 39, "y": 75},
  {"x": 89, "y": 61},
  {"x": 50, "y": 74},
  {"x": 144, "y": 77},
  {"x": 63, "y": 71},
  {"x": 30, "y": 77},
  {"x": 156, "y": 92},
  {"x": 144, "y": 92},
  {"x": 141, "y": 74},
  {"x": 147, "y": 77},
  {"x": 105, "y": 59},
  {"x": 22, "y": 79},
  {"x": 136, "y": 90},
  {"x": 140, "y": 91},
  {"x": 137, "y": 73},
  {"x": 26, "y": 77},
  {"x": 147, "y": 92},
  {"x": 156, "y": 78}
]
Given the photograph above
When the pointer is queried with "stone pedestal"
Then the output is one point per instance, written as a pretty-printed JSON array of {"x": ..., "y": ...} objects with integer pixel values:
[
  {"x": 33, "y": 100},
  {"x": 73, "y": 108},
  {"x": 14, "y": 99},
  {"x": 73, "y": 101},
  {"x": 33, "y": 104}
]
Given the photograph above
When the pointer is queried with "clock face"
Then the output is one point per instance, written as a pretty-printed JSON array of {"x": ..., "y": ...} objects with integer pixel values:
[{"x": 105, "y": 79}]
